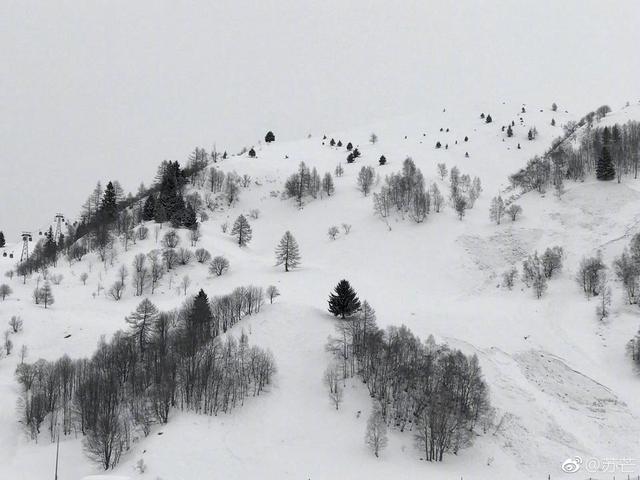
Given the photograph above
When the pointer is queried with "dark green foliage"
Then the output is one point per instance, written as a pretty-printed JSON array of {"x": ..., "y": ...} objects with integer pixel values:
[
  {"x": 109, "y": 206},
  {"x": 189, "y": 219},
  {"x": 149, "y": 208},
  {"x": 344, "y": 302},
  {"x": 604, "y": 168}
]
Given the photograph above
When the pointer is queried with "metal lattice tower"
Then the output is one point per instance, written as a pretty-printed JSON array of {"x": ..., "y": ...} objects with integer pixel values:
[
  {"x": 26, "y": 238},
  {"x": 59, "y": 220}
]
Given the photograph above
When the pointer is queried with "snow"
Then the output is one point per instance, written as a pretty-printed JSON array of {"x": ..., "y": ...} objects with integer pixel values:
[{"x": 559, "y": 378}]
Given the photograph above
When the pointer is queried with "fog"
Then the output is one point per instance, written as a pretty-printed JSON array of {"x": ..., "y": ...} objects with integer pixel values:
[{"x": 107, "y": 89}]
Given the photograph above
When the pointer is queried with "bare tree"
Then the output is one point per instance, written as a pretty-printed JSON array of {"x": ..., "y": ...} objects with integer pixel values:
[
  {"x": 332, "y": 381},
  {"x": 333, "y": 232},
  {"x": 272, "y": 292},
  {"x": 83, "y": 277},
  {"x": 376, "y": 434},
  {"x": 5, "y": 291},
  {"x": 219, "y": 265},
  {"x": 116, "y": 290},
  {"x": 184, "y": 284},
  {"x": 366, "y": 177}
]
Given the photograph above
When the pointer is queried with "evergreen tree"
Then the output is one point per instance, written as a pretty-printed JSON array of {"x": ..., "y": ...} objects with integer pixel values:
[
  {"x": 349, "y": 146},
  {"x": 45, "y": 294},
  {"x": 189, "y": 218},
  {"x": 344, "y": 302},
  {"x": 172, "y": 180},
  {"x": 149, "y": 209},
  {"x": 252, "y": 153},
  {"x": 287, "y": 252},
  {"x": 200, "y": 317},
  {"x": 270, "y": 137},
  {"x": 160, "y": 214},
  {"x": 332, "y": 142},
  {"x": 383, "y": 160},
  {"x": 488, "y": 119},
  {"x": 50, "y": 248},
  {"x": 604, "y": 167},
  {"x": 242, "y": 230},
  {"x": 109, "y": 206},
  {"x": 509, "y": 132},
  {"x": 2, "y": 240},
  {"x": 142, "y": 322}
]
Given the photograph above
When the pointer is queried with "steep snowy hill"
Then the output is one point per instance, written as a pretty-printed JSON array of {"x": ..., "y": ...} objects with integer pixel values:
[{"x": 559, "y": 378}]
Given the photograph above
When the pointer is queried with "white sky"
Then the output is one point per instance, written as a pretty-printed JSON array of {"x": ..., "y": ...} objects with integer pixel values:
[{"x": 107, "y": 89}]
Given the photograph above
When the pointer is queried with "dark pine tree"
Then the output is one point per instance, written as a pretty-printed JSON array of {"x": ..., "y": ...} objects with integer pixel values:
[
  {"x": 344, "y": 301},
  {"x": 189, "y": 219},
  {"x": 252, "y": 153},
  {"x": 2, "y": 240},
  {"x": 332, "y": 142},
  {"x": 488, "y": 119},
  {"x": 356, "y": 153},
  {"x": 50, "y": 248},
  {"x": 200, "y": 317},
  {"x": 269, "y": 137},
  {"x": 149, "y": 209},
  {"x": 170, "y": 197},
  {"x": 349, "y": 146},
  {"x": 109, "y": 206},
  {"x": 509, "y": 132},
  {"x": 383, "y": 160},
  {"x": 604, "y": 168},
  {"x": 339, "y": 144}
]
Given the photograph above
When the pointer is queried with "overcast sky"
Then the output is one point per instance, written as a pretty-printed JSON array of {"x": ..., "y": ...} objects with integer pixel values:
[{"x": 107, "y": 89}]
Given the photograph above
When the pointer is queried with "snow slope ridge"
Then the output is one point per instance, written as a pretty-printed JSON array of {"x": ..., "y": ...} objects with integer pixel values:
[{"x": 559, "y": 378}]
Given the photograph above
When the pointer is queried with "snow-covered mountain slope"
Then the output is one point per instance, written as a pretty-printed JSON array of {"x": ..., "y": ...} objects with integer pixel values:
[{"x": 559, "y": 378}]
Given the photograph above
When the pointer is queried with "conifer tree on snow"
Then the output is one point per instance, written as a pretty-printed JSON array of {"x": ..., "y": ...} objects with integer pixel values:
[
  {"x": 2, "y": 240},
  {"x": 242, "y": 230},
  {"x": 200, "y": 317},
  {"x": 288, "y": 252},
  {"x": 604, "y": 168},
  {"x": 142, "y": 321},
  {"x": 45, "y": 294},
  {"x": 252, "y": 153},
  {"x": 148, "y": 210},
  {"x": 269, "y": 137},
  {"x": 189, "y": 218},
  {"x": 344, "y": 301},
  {"x": 109, "y": 206}
]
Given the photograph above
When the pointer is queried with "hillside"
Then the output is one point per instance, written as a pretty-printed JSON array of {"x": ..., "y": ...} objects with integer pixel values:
[{"x": 560, "y": 381}]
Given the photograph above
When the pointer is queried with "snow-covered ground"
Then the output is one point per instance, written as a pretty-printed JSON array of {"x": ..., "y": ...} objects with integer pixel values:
[{"x": 559, "y": 378}]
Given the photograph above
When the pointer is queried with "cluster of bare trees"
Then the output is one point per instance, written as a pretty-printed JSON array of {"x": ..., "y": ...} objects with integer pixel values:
[
  {"x": 619, "y": 144},
  {"x": 499, "y": 208},
  {"x": 405, "y": 193},
  {"x": 463, "y": 191},
  {"x": 307, "y": 183},
  {"x": 165, "y": 360},
  {"x": 435, "y": 392},
  {"x": 536, "y": 270}
]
